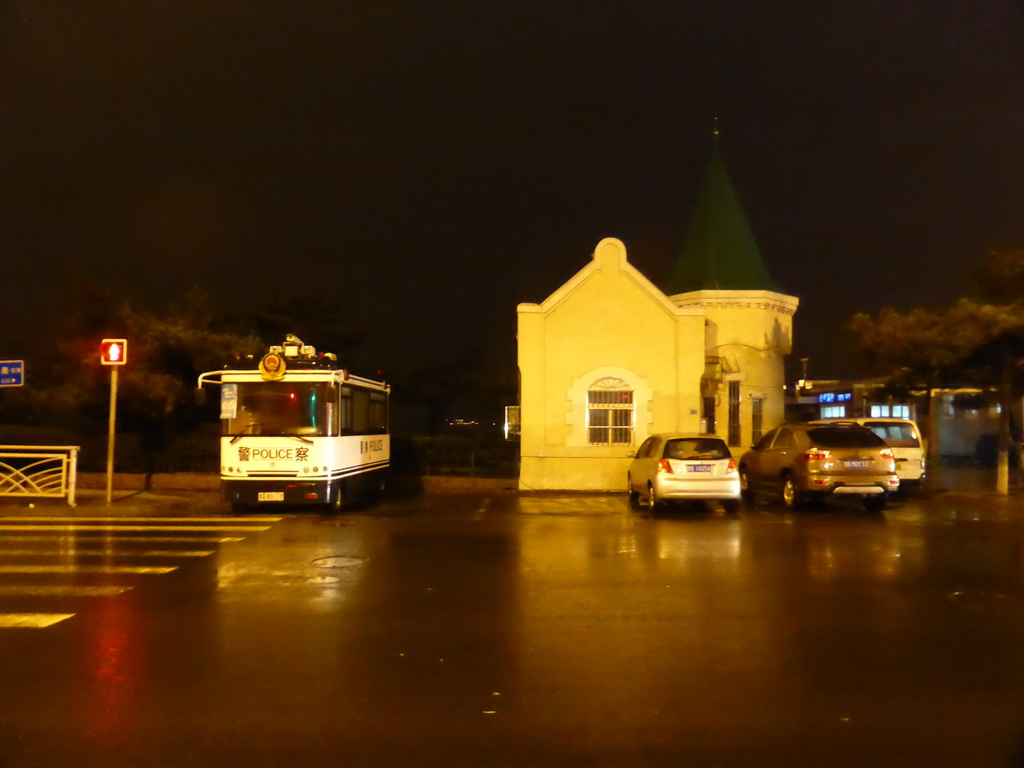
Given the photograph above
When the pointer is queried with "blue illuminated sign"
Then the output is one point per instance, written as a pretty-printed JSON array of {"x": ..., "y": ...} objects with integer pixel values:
[
  {"x": 11, "y": 372},
  {"x": 834, "y": 397}
]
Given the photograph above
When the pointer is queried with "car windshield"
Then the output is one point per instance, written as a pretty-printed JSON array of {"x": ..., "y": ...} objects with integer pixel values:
[
  {"x": 895, "y": 433},
  {"x": 694, "y": 449},
  {"x": 844, "y": 437}
]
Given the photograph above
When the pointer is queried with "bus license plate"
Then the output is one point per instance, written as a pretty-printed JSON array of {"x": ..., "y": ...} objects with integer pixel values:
[
  {"x": 270, "y": 496},
  {"x": 698, "y": 468},
  {"x": 859, "y": 464}
]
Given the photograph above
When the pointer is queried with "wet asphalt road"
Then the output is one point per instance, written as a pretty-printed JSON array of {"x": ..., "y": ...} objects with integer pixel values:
[{"x": 506, "y": 630}]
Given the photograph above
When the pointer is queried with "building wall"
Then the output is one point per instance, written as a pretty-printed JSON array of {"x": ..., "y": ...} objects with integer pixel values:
[
  {"x": 607, "y": 321},
  {"x": 749, "y": 333},
  {"x": 610, "y": 321}
]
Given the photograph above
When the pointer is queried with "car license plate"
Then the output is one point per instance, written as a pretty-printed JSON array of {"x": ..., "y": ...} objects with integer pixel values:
[
  {"x": 270, "y": 496},
  {"x": 698, "y": 468},
  {"x": 858, "y": 464}
]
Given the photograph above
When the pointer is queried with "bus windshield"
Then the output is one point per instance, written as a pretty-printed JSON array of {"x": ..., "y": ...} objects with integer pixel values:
[{"x": 302, "y": 408}]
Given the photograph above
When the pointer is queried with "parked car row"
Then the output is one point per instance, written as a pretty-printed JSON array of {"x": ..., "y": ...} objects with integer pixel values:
[{"x": 798, "y": 463}]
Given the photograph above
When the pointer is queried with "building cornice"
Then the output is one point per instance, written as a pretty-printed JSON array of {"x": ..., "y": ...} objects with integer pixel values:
[{"x": 776, "y": 302}]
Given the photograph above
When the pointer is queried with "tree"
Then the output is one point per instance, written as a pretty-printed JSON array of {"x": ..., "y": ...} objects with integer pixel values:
[
  {"x": 970, "y": 343},
  {"x": 166, "y": 353},
  {"x": 322, "y": 323}
]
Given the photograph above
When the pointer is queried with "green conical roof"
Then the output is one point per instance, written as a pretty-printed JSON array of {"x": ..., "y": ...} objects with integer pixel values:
[{"x": 719, "y": 252}]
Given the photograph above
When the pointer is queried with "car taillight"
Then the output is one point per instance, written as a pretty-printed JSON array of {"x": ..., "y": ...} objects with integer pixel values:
[
  {"x": 665, "y": 466},
  {"x": 732, "y": 466},
  {"x": 816, "y": 454},
  {"x": 888, "y": 454}
]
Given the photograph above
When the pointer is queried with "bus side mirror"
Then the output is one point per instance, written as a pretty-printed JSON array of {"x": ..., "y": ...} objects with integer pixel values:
[{"x": 200, "y": 395}]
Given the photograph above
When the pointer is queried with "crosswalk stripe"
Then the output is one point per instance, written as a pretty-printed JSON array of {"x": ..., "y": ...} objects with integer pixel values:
[
  {"x": 98, "y": 519},
  {"x": 76, "y": 551},
  {"x": 144, "y": 569},
  {"x": 32, "y": 620},
  {"x": 208, "y": 528},
  {"x": 136, "y": 539},
  {"x": 40, "y": 590},
  {"x": 112, "y": 530}
]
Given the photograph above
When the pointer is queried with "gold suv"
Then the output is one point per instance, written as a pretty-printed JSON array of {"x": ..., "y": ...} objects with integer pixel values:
[{"x": 804, "y": 462}]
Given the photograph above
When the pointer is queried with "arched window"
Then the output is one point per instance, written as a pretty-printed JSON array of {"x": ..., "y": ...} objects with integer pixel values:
[{"x": 610, "y": 412}]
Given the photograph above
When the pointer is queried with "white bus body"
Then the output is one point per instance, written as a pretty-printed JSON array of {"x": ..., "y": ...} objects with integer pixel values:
[{"x": 303, "y": 433}]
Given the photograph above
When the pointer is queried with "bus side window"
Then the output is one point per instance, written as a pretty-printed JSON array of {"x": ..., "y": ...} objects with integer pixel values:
[
  {"x": 361, "y": 412},
  {"x": 378, "y": 413},
  {"x": 346, "y": 411}
]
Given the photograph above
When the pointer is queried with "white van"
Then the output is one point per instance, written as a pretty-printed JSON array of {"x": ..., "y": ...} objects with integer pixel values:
[{"x": 903, "y": 437}]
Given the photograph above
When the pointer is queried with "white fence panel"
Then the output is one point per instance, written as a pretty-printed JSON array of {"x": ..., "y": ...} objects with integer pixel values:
[{"x": 39, "y": 470}]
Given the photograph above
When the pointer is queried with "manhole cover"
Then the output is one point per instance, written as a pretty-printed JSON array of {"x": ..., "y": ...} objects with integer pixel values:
[
  {"x": 338, "y": 561},
  {"x": 985, "y": 599},
  {"x": 324, "y": 580}
]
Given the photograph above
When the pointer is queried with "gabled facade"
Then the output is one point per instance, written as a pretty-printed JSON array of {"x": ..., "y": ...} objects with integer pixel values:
[
  {"x": 601, "y": 361},
  {"x": 609, "y": 358}
]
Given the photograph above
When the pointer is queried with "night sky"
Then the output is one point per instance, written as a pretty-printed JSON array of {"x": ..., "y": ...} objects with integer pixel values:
[{"x": 431, "y": 164}]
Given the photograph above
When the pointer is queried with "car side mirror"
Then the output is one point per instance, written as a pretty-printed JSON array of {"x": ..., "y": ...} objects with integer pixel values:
[{"x": 630, "y": 454}]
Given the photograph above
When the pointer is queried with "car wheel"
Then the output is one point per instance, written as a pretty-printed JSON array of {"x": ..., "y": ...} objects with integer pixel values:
[
  {"x": 731, "y": 506},
  {"x": 875, "y": 503},
  {"x": 745, "y": 490},
  {"x": 791, "y": 497},
  {"x": 634, "y": 497},
  {"x": 652, "y": 498}
]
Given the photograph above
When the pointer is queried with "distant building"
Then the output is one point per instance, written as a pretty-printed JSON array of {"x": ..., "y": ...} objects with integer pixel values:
[
  {"x": 610, "y": 358},
  {"x": 964, "y": 426}
]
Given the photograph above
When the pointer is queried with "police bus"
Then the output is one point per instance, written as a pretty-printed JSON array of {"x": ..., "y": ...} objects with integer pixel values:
[{"x": 299, "y": 429}]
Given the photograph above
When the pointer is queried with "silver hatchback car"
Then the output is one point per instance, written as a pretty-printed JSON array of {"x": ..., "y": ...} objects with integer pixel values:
[{"x": 681, "y": 466}]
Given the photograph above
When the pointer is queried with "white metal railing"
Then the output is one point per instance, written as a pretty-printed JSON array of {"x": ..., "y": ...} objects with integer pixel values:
[{"x": 39, "y": 470}]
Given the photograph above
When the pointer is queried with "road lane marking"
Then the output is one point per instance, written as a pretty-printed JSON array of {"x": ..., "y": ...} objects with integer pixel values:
[
  {"x": 39, "y": 590},
  {"x": 94, "y": 518},
  {"x": 136, "y": 539},
  {"x": 143, "y": 569},
  {"x": 206, "y": 528},
  {"x": 103, "y": 534},
  {"x": 85, "y": 551},
  {"x": 32, "y": 620}
]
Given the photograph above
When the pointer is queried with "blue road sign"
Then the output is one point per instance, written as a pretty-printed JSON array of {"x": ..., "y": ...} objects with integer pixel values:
[{"x": 11, "y": 372}]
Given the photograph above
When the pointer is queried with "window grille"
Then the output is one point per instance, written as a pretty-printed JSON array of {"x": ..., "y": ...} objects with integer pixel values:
[
  {"x": 734, "y": 413},
  {"x": 610, "y": 413}
]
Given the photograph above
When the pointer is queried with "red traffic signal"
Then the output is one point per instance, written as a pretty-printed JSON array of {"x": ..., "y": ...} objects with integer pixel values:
[{"x": 114, "y": 351}]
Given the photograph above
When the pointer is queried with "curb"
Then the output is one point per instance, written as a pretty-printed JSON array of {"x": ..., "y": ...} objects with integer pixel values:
[{"x": 177, "y": 482}]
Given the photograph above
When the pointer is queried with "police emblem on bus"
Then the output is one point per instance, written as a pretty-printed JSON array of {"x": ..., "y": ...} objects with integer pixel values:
[{"x": 272, "y": 366}]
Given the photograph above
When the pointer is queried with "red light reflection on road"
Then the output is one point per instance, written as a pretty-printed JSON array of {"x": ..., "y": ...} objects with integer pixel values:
[{"x": 113, "y": 668}]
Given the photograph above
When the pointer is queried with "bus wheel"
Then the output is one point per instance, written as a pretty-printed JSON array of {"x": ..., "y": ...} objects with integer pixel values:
[{"x": 337, "y": 502}]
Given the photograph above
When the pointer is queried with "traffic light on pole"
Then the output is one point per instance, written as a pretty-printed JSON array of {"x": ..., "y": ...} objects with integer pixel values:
[{"x": 114, "y": 351}]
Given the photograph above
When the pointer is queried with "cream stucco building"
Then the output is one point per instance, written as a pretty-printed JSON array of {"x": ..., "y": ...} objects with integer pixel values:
[{"x": 610, "y": 358}]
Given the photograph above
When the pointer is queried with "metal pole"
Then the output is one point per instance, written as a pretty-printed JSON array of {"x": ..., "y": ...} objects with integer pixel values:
[
  {"x": 72, "y": 474},
  {"x": 110, "y": 433}
]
